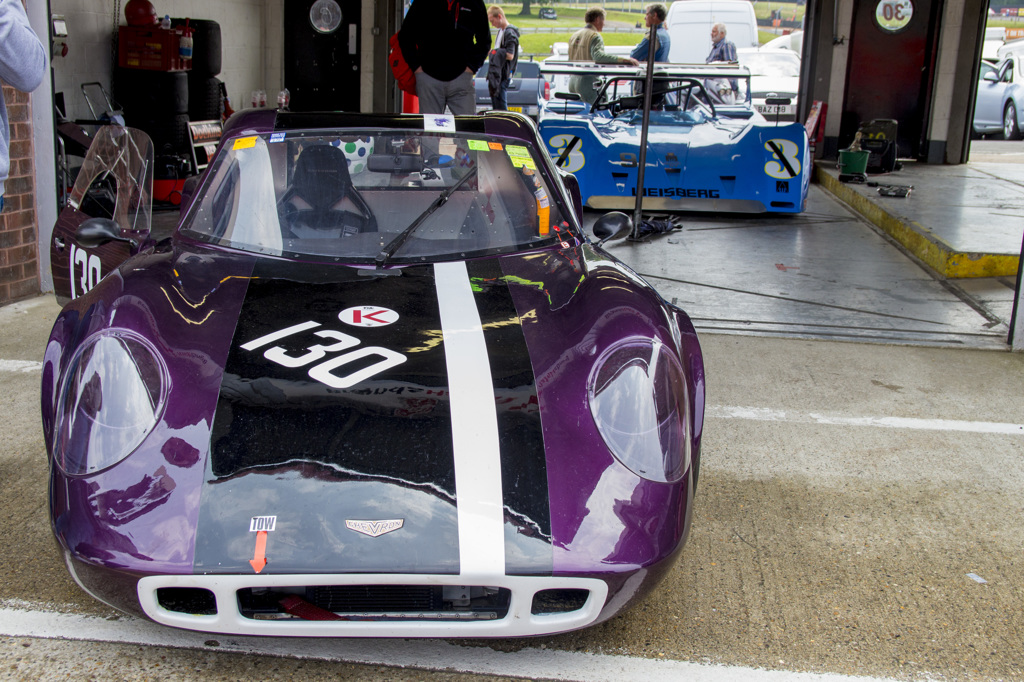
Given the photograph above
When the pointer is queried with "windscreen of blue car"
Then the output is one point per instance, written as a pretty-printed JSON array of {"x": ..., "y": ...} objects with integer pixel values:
[{"x": 352, "y": 196}]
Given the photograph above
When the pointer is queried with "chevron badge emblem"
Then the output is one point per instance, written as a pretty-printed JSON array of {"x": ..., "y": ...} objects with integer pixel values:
[{"x": 374, "y": 528}]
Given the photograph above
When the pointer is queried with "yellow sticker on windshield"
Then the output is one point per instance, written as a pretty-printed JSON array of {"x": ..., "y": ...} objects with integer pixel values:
[
  {"x": 244, "y": 143},
  {"x": 478, "y": 145}
]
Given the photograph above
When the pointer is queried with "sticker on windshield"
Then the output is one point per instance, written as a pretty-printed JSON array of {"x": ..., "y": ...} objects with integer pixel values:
[
  {"x": 438, "y": 123},
  {"x": 520, "y": 156},
  {"x": 496, "y": 146},
  {"x": 245, "y": 143},
  {"x": 277, "y": 137},
  {"x": 478, "y": 145},
  {"x": 784, "y": 160}
]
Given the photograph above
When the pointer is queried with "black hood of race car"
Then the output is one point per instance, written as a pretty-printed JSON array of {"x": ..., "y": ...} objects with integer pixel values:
[{"x": 334, "y": 427}]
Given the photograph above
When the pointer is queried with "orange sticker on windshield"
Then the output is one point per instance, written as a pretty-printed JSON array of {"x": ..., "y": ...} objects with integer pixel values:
[{"x": 494, "y": 145}]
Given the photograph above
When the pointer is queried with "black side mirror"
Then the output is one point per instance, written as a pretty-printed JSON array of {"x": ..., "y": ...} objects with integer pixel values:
[
  {"x": 98, "y": 231},
  {"x": 612, "y": 225}
]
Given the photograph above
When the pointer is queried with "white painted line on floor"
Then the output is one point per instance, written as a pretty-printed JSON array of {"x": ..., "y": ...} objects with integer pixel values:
[
  {"x": 430, "y": 654},
  {"x": 765, "y": 414},
  {"x": 22, "y": 366}
]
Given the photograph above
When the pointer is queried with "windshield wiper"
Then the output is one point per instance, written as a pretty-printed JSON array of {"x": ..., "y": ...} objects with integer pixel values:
[{"x": 388, "y": 251}]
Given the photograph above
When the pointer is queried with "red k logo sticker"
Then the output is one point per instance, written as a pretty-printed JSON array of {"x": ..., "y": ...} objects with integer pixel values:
[{"x": 368, "y": 316}]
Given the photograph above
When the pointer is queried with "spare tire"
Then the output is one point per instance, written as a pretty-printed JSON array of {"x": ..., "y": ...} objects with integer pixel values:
[
  {"x": 144, "y": 93},
  {"x": 203, "y": 98},
  {"x": 206, "y": 45}
]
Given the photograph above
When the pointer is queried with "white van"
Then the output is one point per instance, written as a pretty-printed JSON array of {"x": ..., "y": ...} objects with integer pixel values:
[{"x": 689, "y": 25}]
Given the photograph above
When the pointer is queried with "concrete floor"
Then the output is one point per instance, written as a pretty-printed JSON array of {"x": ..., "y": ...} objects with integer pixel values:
[{"x": 827, "y": 274}]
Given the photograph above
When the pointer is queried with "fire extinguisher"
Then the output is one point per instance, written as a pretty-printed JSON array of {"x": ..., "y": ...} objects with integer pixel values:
[{"x": 185, "y": 42}]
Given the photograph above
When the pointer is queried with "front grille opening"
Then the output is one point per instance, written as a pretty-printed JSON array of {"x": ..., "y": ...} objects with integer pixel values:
[
  {"x": 375, "y": 602},
  {"x": 558, "y": 601},
  {"x": 195, "y": 601}
]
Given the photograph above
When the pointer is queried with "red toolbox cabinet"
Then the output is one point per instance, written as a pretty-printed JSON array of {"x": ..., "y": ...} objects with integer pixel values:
[{"x": 150, "y": 47}]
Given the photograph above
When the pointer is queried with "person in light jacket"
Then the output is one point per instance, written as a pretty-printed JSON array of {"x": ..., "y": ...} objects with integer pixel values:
[
  {"x": 22, "y": 66},
  {"x": 587, "y": 44}
]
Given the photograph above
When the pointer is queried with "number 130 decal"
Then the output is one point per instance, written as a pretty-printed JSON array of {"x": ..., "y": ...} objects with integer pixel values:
[
  {"x": 329, "y": 368},
  {"x": 85, "y": 268}
]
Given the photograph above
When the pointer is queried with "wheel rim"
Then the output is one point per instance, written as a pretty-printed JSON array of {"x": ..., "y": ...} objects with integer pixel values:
[{"x": 1009, "y": 122}]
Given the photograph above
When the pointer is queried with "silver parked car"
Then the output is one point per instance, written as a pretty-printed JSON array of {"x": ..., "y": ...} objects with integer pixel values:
[
  {"x": 526, "y": 93},
  {"x": 998, "y": 104},
  {"x": 775, "y": 74}
]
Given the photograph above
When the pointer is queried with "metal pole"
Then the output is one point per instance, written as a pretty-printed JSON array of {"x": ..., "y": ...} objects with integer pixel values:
[
  {"x": 1016, "y": 339},
  {"x": 652, "y": 48}
]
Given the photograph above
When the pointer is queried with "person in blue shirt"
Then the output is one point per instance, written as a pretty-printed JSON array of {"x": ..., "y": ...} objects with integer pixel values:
[
  {"x": 654, "y": 15},
  {"x": 723, "y": 50}
]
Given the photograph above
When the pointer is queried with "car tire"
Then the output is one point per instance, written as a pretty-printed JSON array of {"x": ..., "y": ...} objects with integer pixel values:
[{"x": 1011, "y": 131}]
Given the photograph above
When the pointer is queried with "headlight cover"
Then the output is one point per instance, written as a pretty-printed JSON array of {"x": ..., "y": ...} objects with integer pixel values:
[
  {"x": 112, "y": 397},
  {"x": 640, "y": 403}
]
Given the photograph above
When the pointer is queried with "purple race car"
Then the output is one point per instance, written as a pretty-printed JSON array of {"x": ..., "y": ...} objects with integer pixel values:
[{"x": 378, "y": 383}]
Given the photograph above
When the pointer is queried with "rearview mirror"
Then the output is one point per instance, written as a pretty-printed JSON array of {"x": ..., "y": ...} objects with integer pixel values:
[
  {"x": 571, "y": 96},
  {"x": 394, "y": 163}
]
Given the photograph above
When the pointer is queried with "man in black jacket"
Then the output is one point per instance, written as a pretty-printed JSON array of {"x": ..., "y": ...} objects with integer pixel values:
[
  {"x": 503, "y": 58},
  {"x": 445, "y": 42}
]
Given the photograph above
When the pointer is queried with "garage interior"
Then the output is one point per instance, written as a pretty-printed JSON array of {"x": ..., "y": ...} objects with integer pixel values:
[{"x": 922, "y": 76}]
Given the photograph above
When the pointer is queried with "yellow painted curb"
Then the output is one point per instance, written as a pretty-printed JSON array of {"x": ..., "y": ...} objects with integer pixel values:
[{"x": 919, "y": 240}]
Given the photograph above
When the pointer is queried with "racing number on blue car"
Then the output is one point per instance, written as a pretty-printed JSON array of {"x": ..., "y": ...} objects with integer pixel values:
[
  {"x": 575, "y": 161},
  {"x": 784, "y": 161},
  {"x": 329, "y": 369}
]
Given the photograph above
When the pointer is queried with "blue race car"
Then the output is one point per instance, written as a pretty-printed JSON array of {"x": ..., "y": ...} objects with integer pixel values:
[{"x": 708, "y": 149}]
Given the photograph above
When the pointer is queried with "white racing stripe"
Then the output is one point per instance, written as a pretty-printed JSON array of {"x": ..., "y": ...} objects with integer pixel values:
[
  {"x": 474, "y": 425},
  {"x": 423, "y": 654},
  {"x": 765, "y": 414}
]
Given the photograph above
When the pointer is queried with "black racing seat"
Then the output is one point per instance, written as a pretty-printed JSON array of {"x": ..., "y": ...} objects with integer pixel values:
[{"x": 319, "y": 184}]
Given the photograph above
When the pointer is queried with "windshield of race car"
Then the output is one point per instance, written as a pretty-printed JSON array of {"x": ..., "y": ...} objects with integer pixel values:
[
  {"x": 687, "y": 98},
  {"x": 359, "y": 195}
]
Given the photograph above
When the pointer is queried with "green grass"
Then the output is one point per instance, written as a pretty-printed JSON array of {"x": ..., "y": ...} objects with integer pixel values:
[{"x": 570, "y": 20}]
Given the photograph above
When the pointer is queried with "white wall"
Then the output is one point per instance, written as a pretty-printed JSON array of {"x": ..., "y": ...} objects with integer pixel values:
[{"x": 251, "y": 32}]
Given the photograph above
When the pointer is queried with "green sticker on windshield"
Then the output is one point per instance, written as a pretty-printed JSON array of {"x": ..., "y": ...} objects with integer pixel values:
[
  {"x": 478, "y": 145},
  {"x": 517, "y": 150}
]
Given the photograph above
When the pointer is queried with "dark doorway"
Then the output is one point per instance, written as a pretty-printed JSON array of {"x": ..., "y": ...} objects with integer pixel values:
[
  {"x": 321, "y": 50},
  {"x": 891, "y": 67}
]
